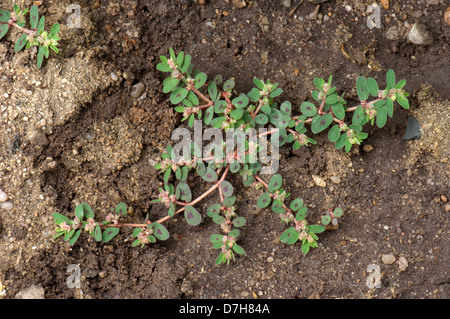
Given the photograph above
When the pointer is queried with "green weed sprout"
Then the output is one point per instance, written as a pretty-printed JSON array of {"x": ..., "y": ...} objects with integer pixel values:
[
  {"x": 36, "y": 36},
  {"x": 217, "y": 105}
]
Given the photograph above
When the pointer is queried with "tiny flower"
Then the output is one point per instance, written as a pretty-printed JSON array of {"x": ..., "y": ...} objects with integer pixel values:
[
  {"x": 90, "y": 225},
  {"x": 65, "y": 226}
]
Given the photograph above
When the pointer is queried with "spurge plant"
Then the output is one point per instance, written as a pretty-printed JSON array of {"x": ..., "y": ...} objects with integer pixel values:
[{"x": 217, "y": 105}]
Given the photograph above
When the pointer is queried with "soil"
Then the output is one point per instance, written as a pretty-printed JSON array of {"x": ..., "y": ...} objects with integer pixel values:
[{"x": 73, "y": 132}]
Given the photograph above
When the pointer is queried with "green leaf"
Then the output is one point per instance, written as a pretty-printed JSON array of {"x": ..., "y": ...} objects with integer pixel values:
[
  {"x": 228, "y": 85},
  {"x": 277, "y": 207},
  {"x": 216, "y": 238},
  {"x": 403, "y": 102},
  {"x": 192, "y": 98},
  {"x": 390, "y": 107},
  {"x": 212, "y": 91},
  {"x": 41, "y": 25},
  {"x": 266, "y": 108},
  {"x": 301, "y": 214},
  {"x": 237, "y": 114},
  {"x": 74, "y": 238},
  {"x": 209, "y": 114},
  {"x": 79, "y": 211},
  {"x": 286, "y": 107},
  {"x": 338, "y": 212},
  {"x": 192, "y": 216},
  {"x": 98, "y": 233},
  {"x": 318, "y": 82},
  {"x": 264, "y": 200},
  {"x": 258, "y": 83},
  {"x": 229, "y": 201},
  {"x": 239, "y": 222},
  {"x": 334, "y": 133},
  {"x": 400, "y": 84},
  {"x": 234, "y": 233},
  {"x": 178, "y": 95},
  {"x": 331, "y": 99},
  {"x": 296, "y": 204},
  {"x": 183, "y": 192},
  {"x": 218, "y": 79},
  {"x": 289, "y": 236},
  {"x": 254, "y": 94},
  {"x": 170, "y": 83},
  {"x": 227, "y": 188},
  {"x": 238, "y": 249},
  {"x": 240, "y": 102},
  {"x": 87, "y": 210},
  {"x": 305, "y": 247},
  {"x": 199, "y": 80},
  {"x": 109, "y": 233},
  {"x": 275, "y": 183},
  {"x": 160, "y": 231},
  {"x": 3, "y": 30},
  {"x": 55, "y": 49},
  {"x": 180, "y": 58},
  {"x": 186, "y": 63},
  {"x": 60, "y": 218},
  {"x": 358, "y": 115},
  {"x": 219, "y": 219},
  {"x": 390, "y": 78},
  {"x": 308, "y": 109},
  {"x": 55, "y": 29},
  {"x": 20, "y": 43},
  {"x": 213, "y": 210},
  {"x": 46, "y": 51},
  {"x": 361, "y": 88},
  {"x": 210, "y": 175},
  {"x": 219, "y": 259},
  {"x": 163, "y": 67},
  {"x": 235, "y": 167},
  {"x": 261, "y": 119},
  {"x": 326, "y": 219},
  {"x": 372, "y": 86},
  {"x": 338, "y": 110},
  {"x": 316, "y": 229},
  {"x": 34, "y": 17},
  {"x": 381, "y": 116},
  {"x": 276, "y": 92},
  {"x": 5, "y": 15},
  {"x": 121, "y": 208},
  {"x": 320, "y": 123}
]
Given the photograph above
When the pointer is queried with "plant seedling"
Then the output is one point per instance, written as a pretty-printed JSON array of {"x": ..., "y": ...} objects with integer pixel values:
[
  {"x": 330, "y": 220},
  {"x": 36, "y": 36},
  {"x": 216, "y": 104}
]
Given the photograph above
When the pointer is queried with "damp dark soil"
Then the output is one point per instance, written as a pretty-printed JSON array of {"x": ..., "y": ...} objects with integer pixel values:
[{"x": 75, "y": 131}]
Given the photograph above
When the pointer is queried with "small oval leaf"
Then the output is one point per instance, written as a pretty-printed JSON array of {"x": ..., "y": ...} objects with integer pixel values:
[
  {"x": 192, "y": 216},
  {"x": 109, "y": 233}
]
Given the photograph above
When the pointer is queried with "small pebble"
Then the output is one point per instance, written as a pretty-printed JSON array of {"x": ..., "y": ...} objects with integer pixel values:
[
  {"x": 420, "y": 35},
  {"x": 137, "y": 90},
  {"x": 270, "y": 259},
  {"x": 114, "y": 76},
  {"x": 239, "y": 4},
  {"x": 335, "y": 179},
  {"x": 6, "y": 205},
  {"x": 3, "y": 197},
  {"x": 388, "y": 259},
  {"x": 287, "y": 3},
  {"x": 402, "y": 263},
  {"x": 319, "y": 181},
  {"x": 368, "y": 148},
  {"x": 447, "y": 16}
]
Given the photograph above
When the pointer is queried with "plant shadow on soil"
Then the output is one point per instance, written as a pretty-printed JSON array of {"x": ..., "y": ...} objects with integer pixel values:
[{"x": 393, "y": 192}]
